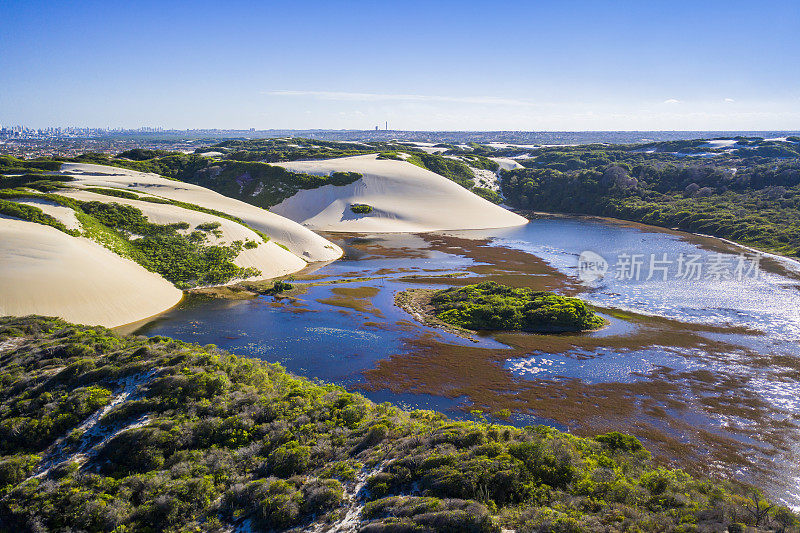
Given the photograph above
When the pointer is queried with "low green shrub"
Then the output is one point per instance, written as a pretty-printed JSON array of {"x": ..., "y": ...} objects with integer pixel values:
[
  {"x": 32, "y": 213},
  {"x": 491, "y": 306},
  {"x": 361, "y": 209},
  {"x": 184, "y": 260},
  {"x": 222, "y": 439}
]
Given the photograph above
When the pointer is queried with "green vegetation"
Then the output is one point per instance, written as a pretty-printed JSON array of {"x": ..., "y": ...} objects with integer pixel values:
[
  {"x": 15, "y": 186},
  {"x": 488, "y": 194},
  {"x": 184, "y": 260},
  {"x": 117, "y": 193},
  {"x": 255, "y": 182},
  {"x": 451, "y": 169},
  {"x": 491, "y": 306},
  {"x": 143, "y": 154},
  {"x": 211, "y": 227},
  {"x": 278, "y": 287},
  {"x": 480, "y": 161},
  {"x": 208, "y": 440},
  {"x": 750, "y": 194},
  {"x": 174, "y": 165},
  {"x": 361, "y": 209},
  {"x": 262, "y": 184},
  {"x": 244, "y": 171},
  {"x": 39, "y": 182},
  {"x": 11, "y": 165},
  {"x": 30, "y": 173},
  {"x": 32, "y": 214},
  {"x": 276, "y": 150}
]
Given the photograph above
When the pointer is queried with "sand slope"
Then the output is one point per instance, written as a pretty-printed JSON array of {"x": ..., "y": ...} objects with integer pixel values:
[
  {"x": 404, "y": 197},
  {"x": 45, "y": 271},
  {"x": 268, "y": 257},
  {"x": 506, "y": 163},
  {"x": 300, "y": 241},
  {"x": 65, "y": 215}
]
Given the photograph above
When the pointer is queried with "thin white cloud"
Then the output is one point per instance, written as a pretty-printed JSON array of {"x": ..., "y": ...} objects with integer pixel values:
[
  {"x": 382, "y": 97},
  {"x": 729, "y": 100},
  {"x": 672, "y": 101}
]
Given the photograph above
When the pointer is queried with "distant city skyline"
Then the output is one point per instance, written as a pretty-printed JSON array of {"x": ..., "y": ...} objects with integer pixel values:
[{"x": 573, "y": 65}]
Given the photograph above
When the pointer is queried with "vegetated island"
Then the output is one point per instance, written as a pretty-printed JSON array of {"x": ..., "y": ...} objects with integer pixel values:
[
  {"x": 361, "y": 209},
  {"x": 490, "y": 306},
  {"x": 102, "y": 432}
]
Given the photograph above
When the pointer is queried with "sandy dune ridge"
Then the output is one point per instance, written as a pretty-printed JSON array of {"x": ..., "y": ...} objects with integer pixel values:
[
  {"x": 45, "y": 271},
  {"x": 404, "y": 198},
  {"x": 268, "y": 257},
  {"x": 300, "y": 241}
]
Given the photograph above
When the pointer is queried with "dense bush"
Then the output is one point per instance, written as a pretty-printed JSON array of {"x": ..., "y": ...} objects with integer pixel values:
[
  {"x": 11, "y": 165},
  {"x": 208, "y": 440},
  {"x": 361, "y": 209},
  {"x": 751, "y": 195},
  {"x": 39, "y": 181},
  {"x": 143, "y": 154},
  {"x": 452, "y": 169},
  {"x": 184, "y": 260},
  {"x": 488, "y": 194},
  {"x": 32, "y": 213},
  {"x": 491, "y": 306}
]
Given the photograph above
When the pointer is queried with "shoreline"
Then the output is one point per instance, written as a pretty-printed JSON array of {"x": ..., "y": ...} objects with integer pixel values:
[
  {"x": 790, "y": 265},
  {"x": 416, "y": 302}
]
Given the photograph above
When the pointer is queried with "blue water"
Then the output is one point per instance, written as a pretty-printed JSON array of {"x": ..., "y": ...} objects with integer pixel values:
[
  {"x": 769, "y": 302},
  {"x": 336, "y": 344}
]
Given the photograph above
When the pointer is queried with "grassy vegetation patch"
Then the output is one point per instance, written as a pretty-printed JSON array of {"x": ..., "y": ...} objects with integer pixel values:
[
  {"x": 186, "y": 261},
  {"x": 361, "y": 209},
  {"x": 208, "y": 439},
  {"x": 32, "y": 213},
  {"x": 117, "y": 193},
  {"x": 452, "y": 169},
  {"x": 491, "y": 306},
  {"x": 750, "y": 195},
  {"x": 488, "y": 194}
]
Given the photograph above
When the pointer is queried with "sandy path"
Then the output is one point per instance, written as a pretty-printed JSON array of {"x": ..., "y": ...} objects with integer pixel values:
[
  {"x": 45, "y": 271},
  {"x": 404, "y": 197}
]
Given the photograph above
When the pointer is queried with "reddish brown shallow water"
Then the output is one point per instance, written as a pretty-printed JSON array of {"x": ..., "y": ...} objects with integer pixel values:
[{"x": 700, "y": 380}]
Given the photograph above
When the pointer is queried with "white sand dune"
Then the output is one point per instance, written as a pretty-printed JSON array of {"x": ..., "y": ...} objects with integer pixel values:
[
  {"x": 65, "y": 215},
  {"x": 429, "y": 148},
  {"x": 486, "y": 179},
  {"x": 300, "y": 241},
  {"x": 404, "y": 198},
  {"x": 721, "y": 143},
  {"x": 506, "y": 163},
  {"x": 268, "y": 257},
  {"x": 45, "y": 271}
]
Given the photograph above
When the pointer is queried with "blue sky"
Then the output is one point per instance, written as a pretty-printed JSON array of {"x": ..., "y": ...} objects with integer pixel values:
[{"x": 559, "y": 65}]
